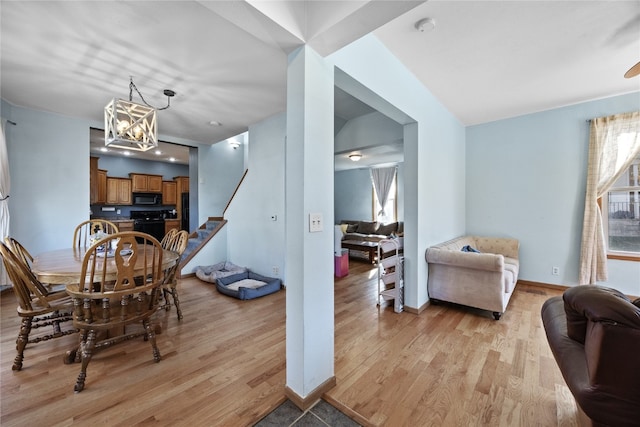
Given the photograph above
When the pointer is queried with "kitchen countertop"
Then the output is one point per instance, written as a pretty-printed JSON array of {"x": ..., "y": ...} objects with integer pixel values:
[{"x": 122, "y": 219}]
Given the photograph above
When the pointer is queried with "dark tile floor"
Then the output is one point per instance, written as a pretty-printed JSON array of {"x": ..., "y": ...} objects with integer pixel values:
[{"x": 321, "y": 414}]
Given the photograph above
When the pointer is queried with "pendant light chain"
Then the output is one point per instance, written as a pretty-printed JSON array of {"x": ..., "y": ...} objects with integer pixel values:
[{"x": 167, "y": 92}]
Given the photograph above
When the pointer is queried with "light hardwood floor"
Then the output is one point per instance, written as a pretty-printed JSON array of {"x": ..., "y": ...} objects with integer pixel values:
[{"x": 224, "y": 365}]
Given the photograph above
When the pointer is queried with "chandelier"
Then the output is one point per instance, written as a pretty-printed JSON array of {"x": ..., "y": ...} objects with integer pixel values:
[{"x": 130, "y": 125}]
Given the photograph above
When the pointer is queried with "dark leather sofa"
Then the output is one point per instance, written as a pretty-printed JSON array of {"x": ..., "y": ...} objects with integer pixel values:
[{"x": 594, "y": 334}]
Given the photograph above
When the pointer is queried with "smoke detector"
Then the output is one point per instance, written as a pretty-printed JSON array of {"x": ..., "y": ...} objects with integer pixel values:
[{"x": 425, "y": 25}]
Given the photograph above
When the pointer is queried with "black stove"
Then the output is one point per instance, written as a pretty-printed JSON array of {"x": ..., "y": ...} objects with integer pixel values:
[{"x": 150, "y": 222}]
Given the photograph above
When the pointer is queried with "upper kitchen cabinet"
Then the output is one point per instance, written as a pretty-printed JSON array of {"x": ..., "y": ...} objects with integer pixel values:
[
  {"x": 118, "y": 191},
  {"x": 102, "y": 186},
  {"x": 182, "y": 184},
  {"x": 97, "y": 182},
  {"x": 93, "y": 179},
  {"x": 169, "y": 192},
  {"x": 144, "y": 183}
]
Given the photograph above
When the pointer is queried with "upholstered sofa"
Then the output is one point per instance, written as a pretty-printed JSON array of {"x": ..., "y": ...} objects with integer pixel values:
[
  {"x": 594, "y": 335},
  {"x": 361, "y": 237},
  {"x": 474, "y": 271},
  {"x": 370, "y": 231}
]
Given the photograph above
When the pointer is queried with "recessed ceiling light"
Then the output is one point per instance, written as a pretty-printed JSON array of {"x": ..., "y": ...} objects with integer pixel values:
[
  {"x": 172, "y": 159},
  {"x": 215, "y": 123},
  {"x": 127, "y": 153},
  {"x": 158, "y": 152},
  {"x": 104, "y": 149}
]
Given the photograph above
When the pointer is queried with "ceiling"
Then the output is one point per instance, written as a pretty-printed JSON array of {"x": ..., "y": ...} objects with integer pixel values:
[{"x": 227, "y": 60}]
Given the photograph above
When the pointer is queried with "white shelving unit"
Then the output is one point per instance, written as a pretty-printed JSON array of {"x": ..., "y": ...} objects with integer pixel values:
[{"x": 391, "y": 272}]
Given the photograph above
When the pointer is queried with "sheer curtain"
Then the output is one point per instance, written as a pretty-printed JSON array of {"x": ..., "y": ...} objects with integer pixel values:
[
  {"x": 614, "y": 142},
  {"x": 4, "y": 197},
  {"x": 382, "y": 179}
]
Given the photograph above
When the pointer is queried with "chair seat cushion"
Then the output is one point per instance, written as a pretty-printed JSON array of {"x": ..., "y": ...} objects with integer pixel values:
[{"x": 247, "y": 285}]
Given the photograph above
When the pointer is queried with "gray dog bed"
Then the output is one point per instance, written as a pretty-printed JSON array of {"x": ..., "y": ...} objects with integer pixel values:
[
  {"x": 247, "y": 285},
  {"x": 211, "y": 273}
]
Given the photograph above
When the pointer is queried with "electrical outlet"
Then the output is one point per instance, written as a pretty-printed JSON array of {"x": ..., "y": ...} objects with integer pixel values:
[
  {"x": 555, "y": 271},
  {"x": 275, "y": 270},
  {"x": 315, "y": 222}
]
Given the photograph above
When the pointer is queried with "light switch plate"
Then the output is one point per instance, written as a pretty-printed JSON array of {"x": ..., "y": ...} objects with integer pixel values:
[{"x": 315, "y": 222}]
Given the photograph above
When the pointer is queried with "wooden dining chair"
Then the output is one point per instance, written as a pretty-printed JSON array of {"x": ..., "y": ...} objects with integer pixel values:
[
  {"x": 37, "y": 306},
  {"x": 110, "y": 295},
  {"x": 86, "y": 229},
  {"x": 166, "y": 240},
  {"x": 176, "y": 242},
  {"x": 18, "y": 249}
]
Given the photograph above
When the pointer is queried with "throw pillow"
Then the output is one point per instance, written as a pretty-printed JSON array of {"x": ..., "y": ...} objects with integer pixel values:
[
  {"x": 365, "y": 227},
  {"x": 388, "y": 229},
  {"x": 344, "y": 228},
  {"x": 352, "y": 228}
]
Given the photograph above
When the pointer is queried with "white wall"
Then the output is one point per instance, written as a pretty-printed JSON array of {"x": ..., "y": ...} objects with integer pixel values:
[
  {"x": 526, "y": 178},
  {"x": 254, "y": 239}
]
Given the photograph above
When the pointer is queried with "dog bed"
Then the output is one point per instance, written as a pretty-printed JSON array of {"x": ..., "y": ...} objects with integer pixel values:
[
  {"x": 247, "y": 285},
  {"x": 210, "y": 273}
]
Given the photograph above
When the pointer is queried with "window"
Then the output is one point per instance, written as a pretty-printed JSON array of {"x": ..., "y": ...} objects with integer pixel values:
[
  {"x": 621, "y": 209},
  {"x": 390, "y": 208}
]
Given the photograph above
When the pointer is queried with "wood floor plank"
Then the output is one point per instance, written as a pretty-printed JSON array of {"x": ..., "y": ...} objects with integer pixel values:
[{"x": 224, "y": 365}]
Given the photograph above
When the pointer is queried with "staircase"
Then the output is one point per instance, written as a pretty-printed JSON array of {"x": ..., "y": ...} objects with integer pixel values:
[{"x": 200, "y": 237}]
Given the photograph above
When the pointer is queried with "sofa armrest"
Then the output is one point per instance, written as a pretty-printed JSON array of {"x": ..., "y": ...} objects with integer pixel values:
[
  {"x": 600, "y": 362},
  {"x": 476, "y": 261}
]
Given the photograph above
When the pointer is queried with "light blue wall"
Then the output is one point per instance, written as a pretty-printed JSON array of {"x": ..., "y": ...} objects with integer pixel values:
[
  {"x": 526, "y": 178},
  {"x": 49, "y": 170},
  {"x": 255, "y": 240},
  {"x": 220, "y": 169},
  {"x": 367, "y": 131},
  {"x": 353, "y": 196},
  {"x": 120, "y": 167},
  {"x": 434, "y": 166}
]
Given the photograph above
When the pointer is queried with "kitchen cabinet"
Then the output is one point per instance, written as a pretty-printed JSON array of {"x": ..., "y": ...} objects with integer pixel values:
[
  {"x": 169, "y": 192},
  {"x": 124, "y": 225},
  {"x": 144, "y": 183},
  {"x": 102, "y": 187},
  {"x": 93, "y": 179},
  {"x": 182, "y": 184},
  {"x": 118, "y": 191},
  {"x": 170, "y": 224}
]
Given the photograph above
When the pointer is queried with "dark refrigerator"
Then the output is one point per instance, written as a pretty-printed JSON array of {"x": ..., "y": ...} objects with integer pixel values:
[{"x": 185, "y": 212}]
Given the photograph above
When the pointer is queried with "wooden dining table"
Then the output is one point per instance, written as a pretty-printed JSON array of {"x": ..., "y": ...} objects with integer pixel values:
[{"x": 64, "y": 266}]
